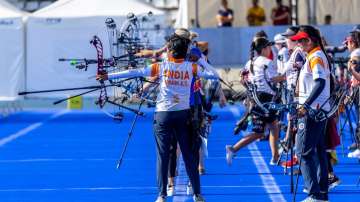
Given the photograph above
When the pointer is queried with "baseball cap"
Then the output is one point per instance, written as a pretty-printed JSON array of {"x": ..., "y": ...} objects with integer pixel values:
[
  {"x": 183, "y": 33},
  {"x": 279, "y": 38},
  {"x": 291, "y": 31},
  {"x": 300, "y": 35},
  {"x": 356, "y": 28},
  {"x": 261, "y": 43}
]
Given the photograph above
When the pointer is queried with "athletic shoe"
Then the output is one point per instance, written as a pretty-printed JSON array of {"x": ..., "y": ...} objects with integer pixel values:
[
  {"x": 189, "y": 190},
  {"x": 198, "y": 198},
  {"x": 354, "y": 154},
  {"x": 161, "y": 199},
  {"x": 333, "y": 182},
  {"x": 170, "y": 190},
  {"x": 229, "y": 154},
  {"x": 273, "y": 161},
  {"x": 288, "y": 164},
  {"x": 311, "y": 199}
]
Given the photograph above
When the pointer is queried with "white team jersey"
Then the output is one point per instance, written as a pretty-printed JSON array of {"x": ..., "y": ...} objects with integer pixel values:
[
  {"x": 281, "y": 60},
  {"x": 355, "y": 53},
  {"x": 175, "y": 76},
  {"x": 295, "y": 62},
  {"x": 260, "y": 75},
  {"x": 316, "y": 66}
]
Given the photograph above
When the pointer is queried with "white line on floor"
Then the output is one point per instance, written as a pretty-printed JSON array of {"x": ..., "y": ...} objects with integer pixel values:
[
  {"x": 181, "y": 183},
  {"x": 32, "y": 160},
  {"x": 28, "y": 129},
  {"x": 144, "y": 188},
  {"x": 267, "y": 179}
]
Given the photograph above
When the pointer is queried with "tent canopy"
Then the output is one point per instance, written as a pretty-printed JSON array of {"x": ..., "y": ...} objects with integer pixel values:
[
  {"x": 9, "y": 11},
  {"x": 12, "y": 56},
  {"x": 87, "y": 8},
  {"x": 64, "y": 30}
]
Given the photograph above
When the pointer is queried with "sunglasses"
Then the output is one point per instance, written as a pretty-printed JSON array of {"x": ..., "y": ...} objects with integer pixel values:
[
  {"x": 302, "y": 40},
  {"x": 354, "y": 62}
]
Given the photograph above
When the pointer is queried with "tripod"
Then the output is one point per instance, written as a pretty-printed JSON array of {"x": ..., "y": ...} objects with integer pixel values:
[
  {"x": 289, "y": 145},
  {"x": 348, "y": 121}
]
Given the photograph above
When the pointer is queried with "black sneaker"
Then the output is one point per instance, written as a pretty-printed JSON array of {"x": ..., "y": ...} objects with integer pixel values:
[{"x": 333, "y": 181}]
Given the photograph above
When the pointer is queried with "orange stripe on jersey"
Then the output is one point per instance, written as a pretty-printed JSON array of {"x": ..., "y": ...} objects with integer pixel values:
[
  {"x": 155, "y": 69},
  {"x": 194, "y": 69},
  {"x": 317, "y": 48},
  {"x": 316, "y": 61},
  {"x": 172, "y": 59}
]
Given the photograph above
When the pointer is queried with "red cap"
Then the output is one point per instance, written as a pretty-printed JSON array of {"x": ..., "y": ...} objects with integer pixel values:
[{"x": 300, "y": 35}]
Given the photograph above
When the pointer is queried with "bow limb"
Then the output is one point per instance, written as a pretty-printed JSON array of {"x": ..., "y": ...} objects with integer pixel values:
[{"x": 96, "y": 42}]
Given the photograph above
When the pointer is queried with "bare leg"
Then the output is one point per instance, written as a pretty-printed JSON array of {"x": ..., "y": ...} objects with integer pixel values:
[
  {"x": 274, "y": 136},
  {"x": 246, "y": 140},
  {"x": 171, "y": 181},
  {"x": 201, "y": 167}
]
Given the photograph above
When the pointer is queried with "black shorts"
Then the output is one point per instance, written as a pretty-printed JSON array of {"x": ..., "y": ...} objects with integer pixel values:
[{"x": 259, "y": 121}]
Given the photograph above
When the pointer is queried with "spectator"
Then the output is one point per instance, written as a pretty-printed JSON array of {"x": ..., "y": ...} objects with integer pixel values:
[
  {"x": 225, "y": 15},
  {"x": 327, "y": 19},
  {"x": 280, "y": 14},
  {"x": 256, "y": 14}
]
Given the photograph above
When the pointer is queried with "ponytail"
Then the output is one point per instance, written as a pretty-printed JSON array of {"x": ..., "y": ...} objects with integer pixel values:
[{"x": 252, "y": 55}]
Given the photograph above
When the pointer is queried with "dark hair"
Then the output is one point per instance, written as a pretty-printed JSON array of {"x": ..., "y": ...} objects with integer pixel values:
[
  {"x": 178, "y": 46},
  {"x": 295, "y": 29},
  {"x": 261, "y": 34},
  {"x": 252, "y": 55},
  {"x": 355, "y": 36},
  {"x": 315, "y": 36},
  {"x": 257, "y": 45}
]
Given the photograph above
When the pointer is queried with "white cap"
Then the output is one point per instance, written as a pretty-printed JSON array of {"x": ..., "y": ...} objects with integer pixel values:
[{"x": 279, "y": 38}]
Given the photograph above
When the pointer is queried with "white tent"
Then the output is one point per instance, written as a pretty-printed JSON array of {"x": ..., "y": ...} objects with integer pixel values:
[
  {"x": 64, "y": 29},
  {"x": 12, "y": 53}
]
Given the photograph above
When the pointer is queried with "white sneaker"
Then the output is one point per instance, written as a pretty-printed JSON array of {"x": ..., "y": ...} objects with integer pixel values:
[
  {"x": 161, "y": 199},
  {"x": 229, "y": 154},
  {"x": 310, "y": 199},
  {"x": 354, "y": 154},
  {"x": 170, "y": 190},
  {"x": 273, "y": 161},
  {"x": 189, "y": 190}
]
